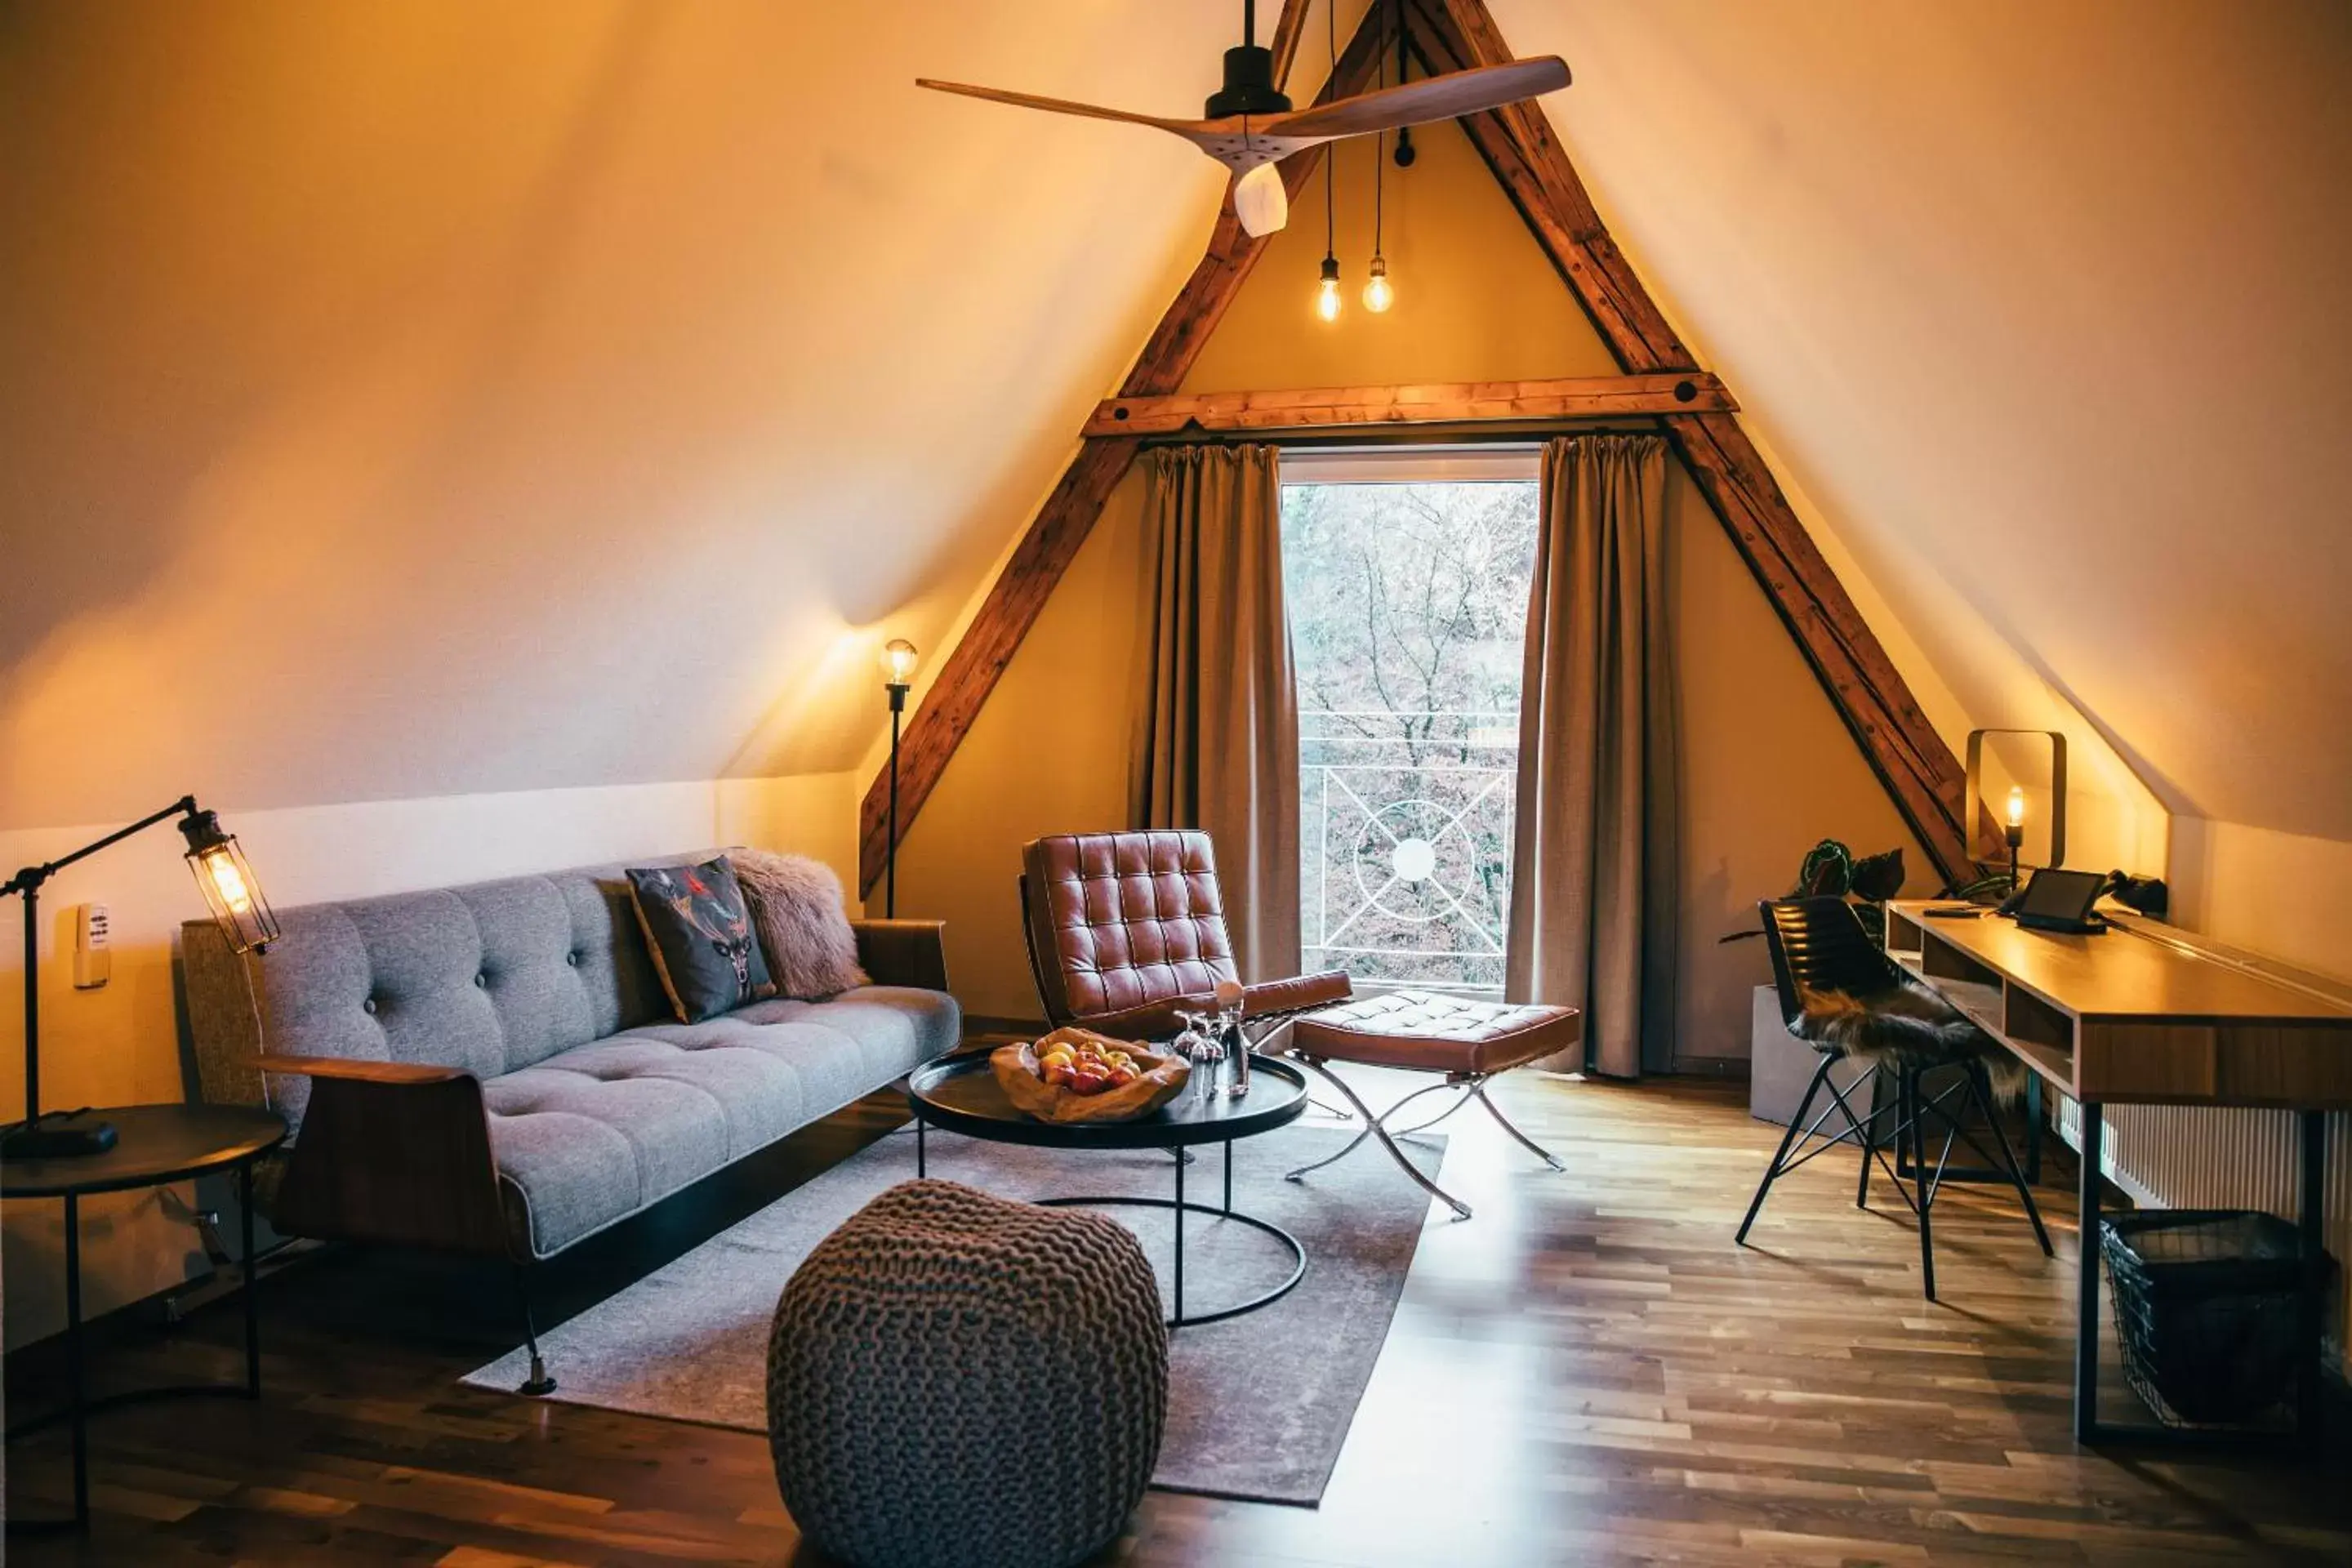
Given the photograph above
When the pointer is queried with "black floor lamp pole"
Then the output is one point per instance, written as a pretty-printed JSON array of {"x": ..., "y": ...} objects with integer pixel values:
[{"x": 898, "y": 691}]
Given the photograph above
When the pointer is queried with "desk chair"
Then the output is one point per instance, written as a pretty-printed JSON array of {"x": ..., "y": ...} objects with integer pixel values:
[
  {"x": 1124, "y": 929},
  {"x": 1841, "y": 993}
]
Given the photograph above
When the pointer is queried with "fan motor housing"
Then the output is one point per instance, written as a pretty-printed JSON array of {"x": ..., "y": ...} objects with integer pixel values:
[{"x": 1249, "y": 85}]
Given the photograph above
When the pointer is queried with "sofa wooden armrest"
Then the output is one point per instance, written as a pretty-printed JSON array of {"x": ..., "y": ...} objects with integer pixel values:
[
  {"x": 391, "y": 1151},
  {"x": 357, "y": 1071},
  {"x": 904, "y": 952}
]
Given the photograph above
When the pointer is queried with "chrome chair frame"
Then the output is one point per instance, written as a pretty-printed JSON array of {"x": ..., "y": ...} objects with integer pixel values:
[{"x": 1470, "y": 1087}]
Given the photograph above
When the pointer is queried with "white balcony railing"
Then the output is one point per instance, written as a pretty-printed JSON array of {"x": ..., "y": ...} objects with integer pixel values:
[{"x": 1405, "y": 844}]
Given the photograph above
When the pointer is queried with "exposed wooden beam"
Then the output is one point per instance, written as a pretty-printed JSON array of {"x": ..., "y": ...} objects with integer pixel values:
[
  {"x": 1571, "y": 397},
  {"x": 1518, "y": 147},
  {"x": 1912, "y": 760},
  {"x": 971, "y": 669},
  {"x": 1288, "y": 28}
]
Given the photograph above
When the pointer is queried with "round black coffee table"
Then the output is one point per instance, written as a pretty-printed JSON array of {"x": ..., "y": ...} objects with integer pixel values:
[{"x": 961, "y": 1095}]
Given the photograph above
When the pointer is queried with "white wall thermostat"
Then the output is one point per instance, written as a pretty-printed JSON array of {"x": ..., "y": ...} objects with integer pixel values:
[{"x": 93, "y": 956}]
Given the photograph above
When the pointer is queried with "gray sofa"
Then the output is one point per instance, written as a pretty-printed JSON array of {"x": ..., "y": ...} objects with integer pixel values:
[{"x": 495, "y": 1069}]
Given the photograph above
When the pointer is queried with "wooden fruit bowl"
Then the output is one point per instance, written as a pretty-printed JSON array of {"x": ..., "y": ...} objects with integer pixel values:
[{"x": 1160, "y": 1078}]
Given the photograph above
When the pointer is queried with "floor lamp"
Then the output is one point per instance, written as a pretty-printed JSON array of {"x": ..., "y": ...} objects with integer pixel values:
[
  {"x": 231, "y": 892},
  {"x": 898, "y": 664}
]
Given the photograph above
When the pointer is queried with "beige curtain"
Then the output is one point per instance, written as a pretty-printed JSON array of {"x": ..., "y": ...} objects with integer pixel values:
[
  {"x": 1218, "y": 747},
  {"x": 1594, "y": 872}
]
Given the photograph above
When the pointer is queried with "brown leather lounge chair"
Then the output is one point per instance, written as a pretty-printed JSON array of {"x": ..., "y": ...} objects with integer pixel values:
[{"x": 1126, "y": 929}]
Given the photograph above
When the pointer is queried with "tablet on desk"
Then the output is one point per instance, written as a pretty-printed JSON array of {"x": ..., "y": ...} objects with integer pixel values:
[{"x": 2060, "y": 900}]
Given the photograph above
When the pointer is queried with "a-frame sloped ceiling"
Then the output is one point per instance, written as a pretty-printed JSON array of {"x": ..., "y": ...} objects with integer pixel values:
[
  {"x": 561, "y": 393},
  {"x": 2043, "y": 305}
]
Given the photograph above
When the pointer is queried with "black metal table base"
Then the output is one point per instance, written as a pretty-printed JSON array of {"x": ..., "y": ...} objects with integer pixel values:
[
  {"x": 1180, "y": 1209},
  {"x": 80, "y": 1408}
]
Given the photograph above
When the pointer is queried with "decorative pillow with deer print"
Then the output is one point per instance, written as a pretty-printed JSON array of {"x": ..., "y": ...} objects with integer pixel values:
[{"x": 699, "y": 927}]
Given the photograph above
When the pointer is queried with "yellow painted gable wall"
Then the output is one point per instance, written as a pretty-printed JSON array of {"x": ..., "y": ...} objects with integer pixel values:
[{"x": 1769, "y": 766}]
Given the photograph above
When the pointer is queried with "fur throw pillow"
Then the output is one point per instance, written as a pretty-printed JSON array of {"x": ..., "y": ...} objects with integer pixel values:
[
  {"x": 796, "y": 907},
  {"x": 1906, "y": 1025}
]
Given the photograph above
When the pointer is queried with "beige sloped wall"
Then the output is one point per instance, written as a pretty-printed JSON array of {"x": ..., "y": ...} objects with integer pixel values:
[{"x": 1770, "y": 767}]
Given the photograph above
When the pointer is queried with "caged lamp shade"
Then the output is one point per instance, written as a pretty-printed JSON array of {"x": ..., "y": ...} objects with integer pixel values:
[{"x": 228, "y": 883}]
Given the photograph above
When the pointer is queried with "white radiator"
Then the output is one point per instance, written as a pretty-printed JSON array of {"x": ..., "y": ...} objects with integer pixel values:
[{"x": 2170, "y": 1157}]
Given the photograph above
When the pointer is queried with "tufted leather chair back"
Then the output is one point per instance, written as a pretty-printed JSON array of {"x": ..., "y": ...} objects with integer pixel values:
[{"x": 1120, "y": 923}]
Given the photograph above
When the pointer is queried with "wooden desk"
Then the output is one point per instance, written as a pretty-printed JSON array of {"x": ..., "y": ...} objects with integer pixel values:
[{"x": 2145, "y": 1014}]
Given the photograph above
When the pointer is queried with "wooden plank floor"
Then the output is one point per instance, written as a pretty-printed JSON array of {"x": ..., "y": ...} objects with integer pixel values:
[{"x": 1587, "y": 1372}]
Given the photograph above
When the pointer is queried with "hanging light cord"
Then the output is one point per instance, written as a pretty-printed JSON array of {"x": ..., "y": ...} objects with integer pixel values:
[
  {"x": 1332, "y": 158},
  {"x": 1379, "y": 138}
]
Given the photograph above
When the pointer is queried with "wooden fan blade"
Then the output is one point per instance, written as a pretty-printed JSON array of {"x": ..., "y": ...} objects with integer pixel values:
[
  {"x": 1447, "y": 97},
  {"x": 1057, "y": 105}
]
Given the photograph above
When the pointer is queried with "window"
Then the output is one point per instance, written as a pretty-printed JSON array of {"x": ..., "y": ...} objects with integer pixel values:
[{"x": 1407, "y": 574}]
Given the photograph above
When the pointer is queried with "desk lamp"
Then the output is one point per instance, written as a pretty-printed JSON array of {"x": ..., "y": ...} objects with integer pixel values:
[
  {"x": 2015, "y": 831},
  {"x": 236, "y": 901}
]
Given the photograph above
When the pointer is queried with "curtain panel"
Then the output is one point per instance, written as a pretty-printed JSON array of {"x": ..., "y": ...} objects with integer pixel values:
[
  {"x": 1594, "y": 872},
  {"x": 1218, "y": 741}
]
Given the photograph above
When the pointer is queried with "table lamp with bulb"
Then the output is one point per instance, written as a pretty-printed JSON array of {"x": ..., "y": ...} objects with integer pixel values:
[
  {"x": 2015, "y": 830},
  {"x": 231, "y": 892}
]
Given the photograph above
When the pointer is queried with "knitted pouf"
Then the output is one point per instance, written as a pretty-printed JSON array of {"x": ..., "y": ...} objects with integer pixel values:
[{"x": 956, "y": 1380}]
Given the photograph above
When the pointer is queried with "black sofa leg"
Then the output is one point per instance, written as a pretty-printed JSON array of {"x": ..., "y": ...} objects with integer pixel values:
[{"x": 539, "y": 1383}]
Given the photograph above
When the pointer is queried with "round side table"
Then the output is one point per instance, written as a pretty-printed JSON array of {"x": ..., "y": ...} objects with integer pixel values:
[{"x": 155, "y": 1144}]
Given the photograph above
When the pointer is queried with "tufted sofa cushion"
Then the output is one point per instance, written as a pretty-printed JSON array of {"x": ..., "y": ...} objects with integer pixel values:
[
  {"x": 1119, "y": 921},
  {"x": 592, "y": 1134}
]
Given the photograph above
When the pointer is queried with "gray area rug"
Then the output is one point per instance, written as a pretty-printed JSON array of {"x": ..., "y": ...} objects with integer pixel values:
[{"x": 1258, "y": 1406}]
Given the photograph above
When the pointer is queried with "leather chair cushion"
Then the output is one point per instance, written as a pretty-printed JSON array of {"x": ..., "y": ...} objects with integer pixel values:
[{"x": 1431, "y": 1032}]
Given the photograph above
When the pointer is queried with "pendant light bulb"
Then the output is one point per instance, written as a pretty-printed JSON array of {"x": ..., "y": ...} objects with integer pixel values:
[
  {"x": 1327, "y": 293},
  {"x": 1260, "y": 202},
  {"x": 1378, "y": 292}
]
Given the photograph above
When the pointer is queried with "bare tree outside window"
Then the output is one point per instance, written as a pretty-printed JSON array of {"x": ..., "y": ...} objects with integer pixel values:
[{"x": 1408, "y": 615}]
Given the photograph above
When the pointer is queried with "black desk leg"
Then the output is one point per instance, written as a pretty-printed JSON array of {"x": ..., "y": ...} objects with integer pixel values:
[
  {"x": 2087, "y": 1284},
  {"x": 252, "y": 1290},
  {"x": 2309, "y": 1406},
  {"x": 74, "y": 1362},
  {"x": 1229, "y": 1175}
]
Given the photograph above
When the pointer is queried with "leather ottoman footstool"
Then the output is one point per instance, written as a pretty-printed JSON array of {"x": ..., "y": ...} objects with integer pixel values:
[{"x": 1466, "y": 1040}]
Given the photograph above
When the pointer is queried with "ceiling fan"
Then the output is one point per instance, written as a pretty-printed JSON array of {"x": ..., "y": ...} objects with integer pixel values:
[{"x": 1250, "y": 125}]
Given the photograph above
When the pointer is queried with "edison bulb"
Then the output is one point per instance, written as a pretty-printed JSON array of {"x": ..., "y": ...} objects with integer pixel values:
[
  {"x": 229, "y": 881},
  {"x": 1326, "y": 292},
  {"x": 899, "y": 661},
  {"x": 2016, "y": 807},
  {"x": 1379, "y": 293}
]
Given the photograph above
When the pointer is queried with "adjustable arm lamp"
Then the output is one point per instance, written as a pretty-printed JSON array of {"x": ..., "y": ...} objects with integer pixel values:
[{"x": 236, "y": 900}]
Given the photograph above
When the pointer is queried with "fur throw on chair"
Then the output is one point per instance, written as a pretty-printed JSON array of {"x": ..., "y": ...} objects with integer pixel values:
[
  {"x": 1906, "y": 1025},
  {"x": 797, "y": 908}
]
